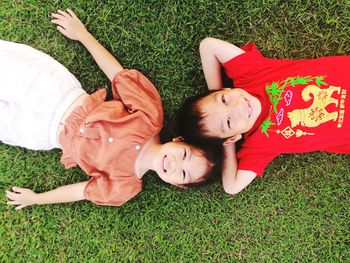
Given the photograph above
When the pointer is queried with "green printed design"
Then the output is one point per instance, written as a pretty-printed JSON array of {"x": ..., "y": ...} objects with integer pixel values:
[
  {"x": 319, "y": 81},
  {"x": 266, "y": 125},
  {"x": 276, "y": 89}
]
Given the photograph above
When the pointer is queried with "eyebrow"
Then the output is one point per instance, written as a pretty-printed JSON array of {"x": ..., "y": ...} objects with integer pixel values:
[
  {"x": 217, "y": 98},
  {"x": 189, "y": 158}
]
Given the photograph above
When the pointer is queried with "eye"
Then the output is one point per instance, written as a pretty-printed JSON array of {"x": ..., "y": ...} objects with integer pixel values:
[
  {"x": 229, "y": 123},
  {"x": 185, "y": 154},
  {"x": 223, "y": 99}
]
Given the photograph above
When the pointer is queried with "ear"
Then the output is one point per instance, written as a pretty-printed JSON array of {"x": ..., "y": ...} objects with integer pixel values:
[
  {"x": 178, "y": 139},
  {"x": 232, "y": 139}
]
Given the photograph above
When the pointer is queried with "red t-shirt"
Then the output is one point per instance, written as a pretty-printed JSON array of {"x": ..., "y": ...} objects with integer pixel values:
[{"x": 304, "y": 104}]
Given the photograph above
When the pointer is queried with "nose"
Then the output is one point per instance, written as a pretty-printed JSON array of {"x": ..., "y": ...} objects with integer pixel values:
[
  {"x": 237, "y": 109},
  {"x": 175, "y": 164},
  {"x": 171, "y": 164}
]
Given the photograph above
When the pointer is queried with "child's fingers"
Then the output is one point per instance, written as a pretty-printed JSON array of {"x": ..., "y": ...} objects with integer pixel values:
[
  {"x": 10, "y": 195},
  {"x": 13, "y": 202},
  {"x": 57, "y": 22},
  {"x": 57, "y": 16},
  {"x": 72, "y": 14},
  {"x": 20, "y": 207},
  {"x": 18, "y": 189},
  {"x": 63, "y": 13},
  {"x": 61, "y": 29}
]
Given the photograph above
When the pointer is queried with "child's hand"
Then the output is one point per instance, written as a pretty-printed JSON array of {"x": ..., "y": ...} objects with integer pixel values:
[
  {"x": 21, "y": 197},
  {"x": 69, "y": 24}
]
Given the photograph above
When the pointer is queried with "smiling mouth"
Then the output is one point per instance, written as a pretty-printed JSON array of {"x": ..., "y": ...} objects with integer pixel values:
[
  {"x": 164, "y": 167},
  {"x": 249, "y": 108}
]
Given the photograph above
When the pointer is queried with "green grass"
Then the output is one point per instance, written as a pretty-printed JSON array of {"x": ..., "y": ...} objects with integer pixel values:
[{"x": 299, "y": 211}]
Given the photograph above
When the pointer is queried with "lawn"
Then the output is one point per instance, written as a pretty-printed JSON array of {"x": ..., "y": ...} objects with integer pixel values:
[{"x": 298, "y": 212}]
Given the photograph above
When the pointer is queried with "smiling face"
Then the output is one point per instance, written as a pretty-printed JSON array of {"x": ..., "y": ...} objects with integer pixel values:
[
  {"x": 179, "y": 163},
  {"x": 228, "y": 112}
]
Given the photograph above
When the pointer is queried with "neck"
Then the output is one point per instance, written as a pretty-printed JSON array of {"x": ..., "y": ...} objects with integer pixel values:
[{"x": 144, "y": 161}]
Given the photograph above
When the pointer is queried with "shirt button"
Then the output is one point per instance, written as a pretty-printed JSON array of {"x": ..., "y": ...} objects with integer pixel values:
[
  {"x": 81, "y": 130},
  {"x": 110, "y": 139},
  {"x": 137, "y": 147}
]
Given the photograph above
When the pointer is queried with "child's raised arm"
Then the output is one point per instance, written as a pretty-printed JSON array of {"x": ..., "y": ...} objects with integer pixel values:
[
  {"x": 234, "y": 180},
  {"x": 70, "y": 26},
  {"x": 23, "y": 197},
  {"x": 215, "y": 52}
]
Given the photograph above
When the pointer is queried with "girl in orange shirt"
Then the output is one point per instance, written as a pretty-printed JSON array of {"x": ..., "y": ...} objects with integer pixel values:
[{"x": 115, "y": 142}]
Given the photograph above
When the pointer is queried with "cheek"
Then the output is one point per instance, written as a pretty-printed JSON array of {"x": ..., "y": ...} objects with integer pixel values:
[
  {"x": 198, "y": 175},
  {"x": 173, "y": 178},
  {"x": 241, "y": 127},
  {"x": 233, "y": 96},
  {"x": 200, "y": 165},
  {"x": 171, "y": 181}
]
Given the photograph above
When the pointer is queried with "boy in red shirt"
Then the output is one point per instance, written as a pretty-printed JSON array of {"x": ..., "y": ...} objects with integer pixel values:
[{"x": 280, "y": 105}]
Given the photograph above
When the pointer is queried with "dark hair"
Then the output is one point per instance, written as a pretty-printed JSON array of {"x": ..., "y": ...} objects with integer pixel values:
[{"x": 189, "y": 123}]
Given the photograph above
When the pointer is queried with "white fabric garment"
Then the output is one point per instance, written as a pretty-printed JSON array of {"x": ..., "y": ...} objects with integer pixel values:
[{"x": 35, "y": 92}]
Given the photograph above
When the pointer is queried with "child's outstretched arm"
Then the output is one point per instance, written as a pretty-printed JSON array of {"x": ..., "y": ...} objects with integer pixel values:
[
  {"x": 234, "y": 180},
  {"x": 23, "y": 197},
  {"x": 70, "y": 26},
  {"x": 215, "y": 52}
]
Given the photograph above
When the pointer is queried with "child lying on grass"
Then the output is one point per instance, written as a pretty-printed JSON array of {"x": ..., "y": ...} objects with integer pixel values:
[
  {"x": 280, "y": 105},
  {"x": 115, "y": 142}
]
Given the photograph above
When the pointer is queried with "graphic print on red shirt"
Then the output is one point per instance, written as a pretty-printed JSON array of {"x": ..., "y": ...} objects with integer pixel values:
[{"x": 313, "y": 90}]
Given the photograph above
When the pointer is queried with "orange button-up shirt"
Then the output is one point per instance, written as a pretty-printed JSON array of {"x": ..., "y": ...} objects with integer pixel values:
[{"x": 105, "y": 137}]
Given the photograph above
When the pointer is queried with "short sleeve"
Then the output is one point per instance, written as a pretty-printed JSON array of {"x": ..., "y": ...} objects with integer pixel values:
[
  {"x": 254, "y": 162},
  {"x": 138, "y": 94},
  {"x": 245, "y": 63},
  {"x": 102, "y": 190}
]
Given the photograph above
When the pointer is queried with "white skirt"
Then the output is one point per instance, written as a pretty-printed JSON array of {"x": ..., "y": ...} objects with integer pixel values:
[{"x": 35, "y": 92}]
